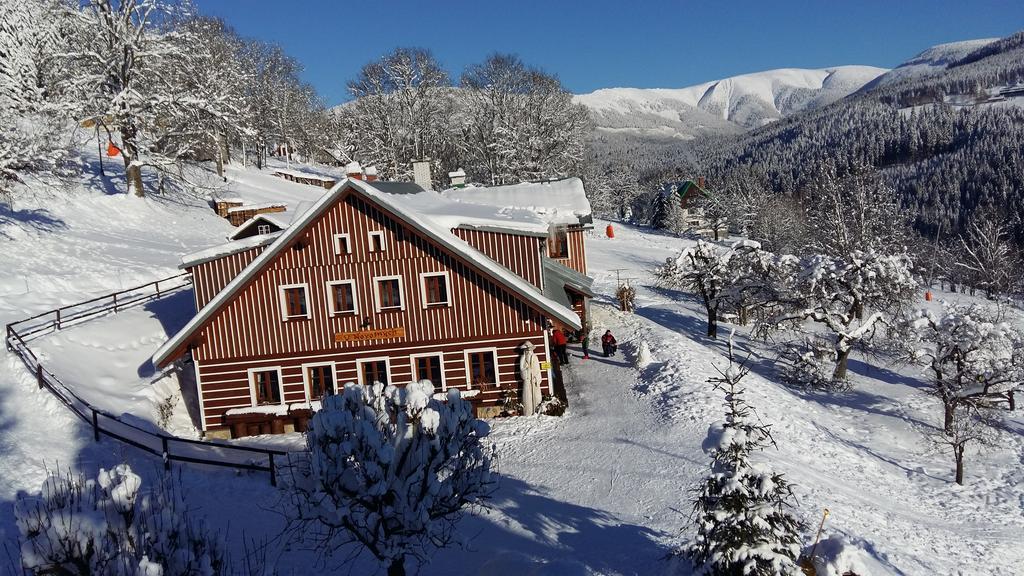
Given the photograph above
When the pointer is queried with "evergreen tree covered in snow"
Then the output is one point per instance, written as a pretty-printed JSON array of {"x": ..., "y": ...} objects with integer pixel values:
[
  {"x": 744, "y": 526},
  {"x": 669, "y": 214},
  {"x": 390, "y": 470},
  {"x": 110, "y": 526}
]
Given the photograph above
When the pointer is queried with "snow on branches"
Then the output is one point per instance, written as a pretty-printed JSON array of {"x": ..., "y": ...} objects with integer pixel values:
[
  {"x": 741, "y": 509},
  {"x": 112, "y": 526},
  {"x": 390, "y": 470}
]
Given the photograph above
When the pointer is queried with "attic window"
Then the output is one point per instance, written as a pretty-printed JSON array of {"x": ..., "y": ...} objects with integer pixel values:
[
  {"x": 341, "y": 244},
  {"x": 377, "y": 241},
  {"x": 263, "y": 229},
  {"x": 558, "y": 241}
]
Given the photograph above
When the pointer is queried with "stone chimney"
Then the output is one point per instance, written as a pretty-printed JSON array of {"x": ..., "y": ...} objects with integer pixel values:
[
  {"x": 371, "y": 173},
  {"x": 354, "y": 171},
  {"x": 700, "y": 182},
  {"x": 458, "y": 178},
  {"x": 421, "y": 174}
]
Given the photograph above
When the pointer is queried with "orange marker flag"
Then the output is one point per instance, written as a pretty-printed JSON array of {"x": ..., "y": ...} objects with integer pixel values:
[{"x": 112, "y": 150}]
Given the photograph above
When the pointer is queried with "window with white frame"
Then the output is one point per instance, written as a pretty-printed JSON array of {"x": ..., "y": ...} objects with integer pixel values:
[
  {"x": 388, "y": 293},
  {"x": 341, "y": 297},
  {"x": 373, "y": 370},
  {"x": 265, "y": 385},
  {"x": 294, "y": 301},
  {"x": 263, "y": 229},
  {"x": 482, "y": 368},
  {"x": 342, "y": 245},
  {"x": 434, "y": 289},
  {"x": 429, "y": 367},
  {"x": 377, "y": 241},
  {"x": 319, "y": 379}
]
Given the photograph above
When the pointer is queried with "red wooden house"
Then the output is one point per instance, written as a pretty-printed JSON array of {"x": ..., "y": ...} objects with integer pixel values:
[{"x": 375, "y": 282}]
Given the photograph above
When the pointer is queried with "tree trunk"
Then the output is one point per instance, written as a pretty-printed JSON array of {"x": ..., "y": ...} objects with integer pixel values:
[
  {"x": 842, "y": 359},
  {"x": 1011, "y": 399},
  {"x": 397, "y": 567},
  {"x": 958, "y": 452},
  {"x": 713, "y": 324},
  {"x": 947, "y": 420},
  {"x": 742, "y": 316},
  {"x": 220, "y": 156}
]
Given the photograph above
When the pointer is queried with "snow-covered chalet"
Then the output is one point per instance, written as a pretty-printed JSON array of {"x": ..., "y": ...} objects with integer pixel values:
[{"x": 382, "y": 281}]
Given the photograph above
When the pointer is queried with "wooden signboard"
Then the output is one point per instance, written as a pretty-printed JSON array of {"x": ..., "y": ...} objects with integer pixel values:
[{"x": 363, "y": 335}]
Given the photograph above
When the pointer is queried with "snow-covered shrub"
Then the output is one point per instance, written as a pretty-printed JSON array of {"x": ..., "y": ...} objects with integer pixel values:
[
  {"x": 390, "y": 470},
  {"x": 626, "y": 295},
  {"x": 551, "y": 406},
  {"x": 643, "y": 355},
  {"x": 110, "y": 525},
  {"x": 741, "y": 509}
]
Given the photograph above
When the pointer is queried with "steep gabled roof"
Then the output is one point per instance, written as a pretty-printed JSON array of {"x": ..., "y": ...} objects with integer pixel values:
[{"x": 176, "y": 345}]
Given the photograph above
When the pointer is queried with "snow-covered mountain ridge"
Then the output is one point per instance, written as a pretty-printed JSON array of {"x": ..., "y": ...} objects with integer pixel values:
[
  {"x": 929, "y": 61},
  {"x": 728, "y": 105}
]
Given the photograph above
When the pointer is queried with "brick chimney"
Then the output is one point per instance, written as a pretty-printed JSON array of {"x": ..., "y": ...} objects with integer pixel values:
[
  {"x": 371, "y": 173},
  {"x": 421, "y": 174},
  {"x": 700, "y": 182},
  {"x": 354, "y": 171}
]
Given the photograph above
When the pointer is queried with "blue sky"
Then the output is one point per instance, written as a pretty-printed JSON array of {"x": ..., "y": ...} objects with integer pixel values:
[{"x": 601, "y": 43}]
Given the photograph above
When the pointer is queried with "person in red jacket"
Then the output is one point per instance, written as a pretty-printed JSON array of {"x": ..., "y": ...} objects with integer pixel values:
[
  {"x": 560, "y": 341},
  {"x": 608, "y": 343}
]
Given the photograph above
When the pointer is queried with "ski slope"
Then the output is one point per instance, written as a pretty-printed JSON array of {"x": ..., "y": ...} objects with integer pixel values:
[{"x": 602, "y": 490}]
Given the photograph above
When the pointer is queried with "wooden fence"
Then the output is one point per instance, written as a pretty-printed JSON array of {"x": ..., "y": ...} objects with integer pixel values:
[{"x": 168, "y": 448}]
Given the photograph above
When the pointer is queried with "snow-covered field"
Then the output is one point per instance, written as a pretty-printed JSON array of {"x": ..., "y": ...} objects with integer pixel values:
[{"x": 603, "y": 490}]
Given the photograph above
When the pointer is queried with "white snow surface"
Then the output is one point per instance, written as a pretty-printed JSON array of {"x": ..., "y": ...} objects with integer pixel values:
[
  {"x": 932, "y": 60},
  {"x": 726, "y": 105},
  {"x": 555, "y": 202},
  {"x": 603, "y": 490}
]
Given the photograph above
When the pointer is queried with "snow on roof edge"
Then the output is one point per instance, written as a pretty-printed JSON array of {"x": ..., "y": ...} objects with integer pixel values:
[
  {"x": 510, "y": 279},
  {"x": 226, "y": 249}
]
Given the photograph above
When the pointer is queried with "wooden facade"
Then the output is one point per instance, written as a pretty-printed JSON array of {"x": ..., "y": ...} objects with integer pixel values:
[
  {"x": 239, "y": 214},
  {"x": 575, "y": 252},
  {"x": 358, "y": 243}
]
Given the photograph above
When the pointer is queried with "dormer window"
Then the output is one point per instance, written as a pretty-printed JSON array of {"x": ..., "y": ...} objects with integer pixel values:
[
  {"x": 377, "y": 241},
  {"x": 263, "y": 229}
]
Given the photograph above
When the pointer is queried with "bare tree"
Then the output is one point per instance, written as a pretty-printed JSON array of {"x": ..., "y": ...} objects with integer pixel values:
[
  {"x": 968, "y": 426},
  {"x": 987, "y": 256}
]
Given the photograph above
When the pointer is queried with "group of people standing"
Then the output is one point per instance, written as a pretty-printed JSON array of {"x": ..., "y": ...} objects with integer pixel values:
[{"x": 560, "y": 341}]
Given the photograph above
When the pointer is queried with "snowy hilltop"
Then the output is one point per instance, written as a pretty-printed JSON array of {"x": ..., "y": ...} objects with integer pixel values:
[{"x": 725, "y": 106}]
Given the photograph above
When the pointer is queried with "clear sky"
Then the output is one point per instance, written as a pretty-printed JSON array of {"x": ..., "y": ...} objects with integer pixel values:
[{"x": 604, "y": 43}]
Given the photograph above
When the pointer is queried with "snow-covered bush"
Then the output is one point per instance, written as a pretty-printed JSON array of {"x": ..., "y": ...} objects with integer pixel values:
[
  {"x": 111, "y": 526},
  {"x": 390, "y": 470},
  {"x": 626, "y": 295},
  {"x": 810, "y": 363},
  {"x": 741, "y": 509}
]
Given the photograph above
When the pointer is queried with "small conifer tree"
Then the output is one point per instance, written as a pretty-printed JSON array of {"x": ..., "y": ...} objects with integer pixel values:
[{"x": 741, "y": 510}]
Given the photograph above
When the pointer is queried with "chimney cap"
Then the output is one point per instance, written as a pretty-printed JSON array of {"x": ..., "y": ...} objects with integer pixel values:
[
  {"x": 457, "y": 173},
  {"x": 353, "y": 167},
  {"x": 370, "y": 171}
]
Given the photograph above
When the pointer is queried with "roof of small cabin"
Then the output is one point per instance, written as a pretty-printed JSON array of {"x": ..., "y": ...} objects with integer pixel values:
[
  {"x": 558, "y": 276},
  {"x": 280, "y": 219},
  {"x": 688, "y": 186},
  {"x": 264, "y": 206},
  {"x": 401, "y": 208},
  {"x": 554, "y": 202},
  {"x": 226, "y": 249}
]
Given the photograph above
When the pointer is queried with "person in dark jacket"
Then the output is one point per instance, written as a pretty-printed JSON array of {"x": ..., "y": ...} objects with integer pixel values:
[
  {"x": 561, "y": 342},
  {"x": 608, "y": 343}
]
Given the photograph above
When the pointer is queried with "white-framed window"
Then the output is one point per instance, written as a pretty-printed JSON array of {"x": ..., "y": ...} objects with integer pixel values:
[
  {"x": 435, "y": 289},
  {"x": 266, "y": 386},
  {"x": 429, "y": 366},
  {"x": 342, "y": 244},
  {"x": 388, "y": 293},
  {"x": 481, "y": 368},
  {"x": 263, "y": 228},
  {"x": 372, "y": 370},
  {"x": 376, "y": 241},
  {"x": 319, "y": 379},
  {"x": 341, "y": 297},
  {"x": 294, "y": 301}
]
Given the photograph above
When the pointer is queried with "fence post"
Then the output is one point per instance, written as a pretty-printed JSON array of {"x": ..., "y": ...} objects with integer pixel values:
[
  {"x": 95, "y": 425},
  {"x": 157, "y": 285},
  {"x": 167, "y": 459},
  {"x": 115, "y": 301},
  {"x": 58, "y": 318},
  {"x": 273, "y": 470},
  {"x": 39, "y": 374}
]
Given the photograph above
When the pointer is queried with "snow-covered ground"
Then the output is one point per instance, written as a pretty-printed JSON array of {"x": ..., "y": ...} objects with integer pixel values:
[{"x": 602, "y": 490}]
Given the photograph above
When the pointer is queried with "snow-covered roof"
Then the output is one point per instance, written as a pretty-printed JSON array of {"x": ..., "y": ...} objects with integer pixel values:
[
  {"x": 280, "y": 219},
  {"x": 555, "y": 202},
  {"x": 263, "y": 206},
  {"x": 232, "y": 200},
  {"x": 306, "y": 175},
  {"x": 227, "y": 249},
  {"x": 405, "y": 211}
]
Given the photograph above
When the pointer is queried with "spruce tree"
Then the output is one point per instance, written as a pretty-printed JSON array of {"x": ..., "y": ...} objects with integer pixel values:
[{"x": 744, "y": 526}]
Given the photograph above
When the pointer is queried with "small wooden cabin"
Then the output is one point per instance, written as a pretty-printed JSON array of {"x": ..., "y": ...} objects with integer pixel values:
[
  {"x": 222, "y": 205},
  {"x": 237, "y": 215},
  {"x": 372, "y": 283}
]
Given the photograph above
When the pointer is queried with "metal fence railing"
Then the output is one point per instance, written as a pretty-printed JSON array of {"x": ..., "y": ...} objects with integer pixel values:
[{"x": 169, "y": 448}]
